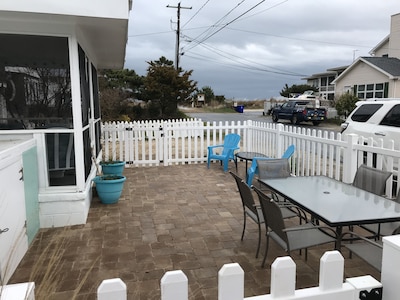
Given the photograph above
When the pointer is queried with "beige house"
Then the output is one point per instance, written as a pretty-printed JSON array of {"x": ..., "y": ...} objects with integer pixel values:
[{"x": 376, "y": 76}]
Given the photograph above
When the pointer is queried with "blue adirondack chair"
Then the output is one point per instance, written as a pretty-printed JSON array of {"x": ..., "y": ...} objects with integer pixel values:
[
  {"x": 231, "y": 143},
  {"x": 254, "y": 170}
]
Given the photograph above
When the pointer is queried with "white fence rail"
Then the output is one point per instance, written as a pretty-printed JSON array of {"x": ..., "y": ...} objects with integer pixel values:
[
  {"x": 318, "y": 152},
  {"x": 174, "y": 284}
]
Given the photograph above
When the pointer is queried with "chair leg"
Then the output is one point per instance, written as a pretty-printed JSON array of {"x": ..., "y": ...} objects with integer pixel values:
[
  {"x": 259, "y": 240},
  {"x": 244, "y": 224},
  {"x": 265, "y": 252}
]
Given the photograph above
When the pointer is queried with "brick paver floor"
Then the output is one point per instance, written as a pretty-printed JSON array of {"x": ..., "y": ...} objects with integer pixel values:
[{"x": 182, "y": 217}]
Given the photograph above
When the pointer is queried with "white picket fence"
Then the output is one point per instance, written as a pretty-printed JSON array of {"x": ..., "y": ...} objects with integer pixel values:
[
  {"x": 318, "y": 152},
  {"x": 174, "y": 284}
]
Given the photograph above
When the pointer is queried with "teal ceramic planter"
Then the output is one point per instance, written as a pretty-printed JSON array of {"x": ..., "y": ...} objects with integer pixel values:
[
  {"x": 109, "y": 187},
  {"x": 112, "y": 167}
]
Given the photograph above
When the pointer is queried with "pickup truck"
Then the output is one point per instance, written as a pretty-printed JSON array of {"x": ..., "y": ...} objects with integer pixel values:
[{"x": 299, "y": 111}]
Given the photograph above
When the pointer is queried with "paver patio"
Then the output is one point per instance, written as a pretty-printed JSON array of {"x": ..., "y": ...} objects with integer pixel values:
[{"x": 183, "y": 217}]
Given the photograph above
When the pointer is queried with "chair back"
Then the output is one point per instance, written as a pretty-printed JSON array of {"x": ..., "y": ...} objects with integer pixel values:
[
  {"x": 289, "y": 152},
  {"x": 245, "y": 193},
  {"x": 231, "y": 141},
  {"x": 273, "y": 168},
  {"x": 371, "y": 179},
  {"x": 272, "y": 215}
]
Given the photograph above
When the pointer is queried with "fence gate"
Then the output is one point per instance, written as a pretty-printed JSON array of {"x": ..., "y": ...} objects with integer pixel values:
[{"x": 152, "y": 143}]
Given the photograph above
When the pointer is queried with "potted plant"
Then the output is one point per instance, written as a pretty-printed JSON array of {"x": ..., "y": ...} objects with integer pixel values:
[
  {"x": 115, "y": 167},
  {"x": 109, "y": 187},
  {"x": 109, "y": 180}
]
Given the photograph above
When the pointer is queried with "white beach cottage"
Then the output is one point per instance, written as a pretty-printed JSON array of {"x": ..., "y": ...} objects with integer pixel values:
[{"x": 50, "y": 52}]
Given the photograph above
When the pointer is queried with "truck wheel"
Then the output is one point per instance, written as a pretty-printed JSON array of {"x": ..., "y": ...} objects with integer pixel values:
[
  {"x": 315, "y": 123},
  {"x": 295, "y": 120},
  {"x": 274, "y": 118}
]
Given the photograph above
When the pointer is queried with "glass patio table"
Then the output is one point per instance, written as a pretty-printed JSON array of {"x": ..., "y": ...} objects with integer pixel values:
[{"x": 335, "y": 203}]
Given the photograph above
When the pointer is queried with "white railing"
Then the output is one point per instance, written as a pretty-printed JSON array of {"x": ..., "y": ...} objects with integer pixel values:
[
  {"x": 174, "y": 284},
  {"x": 318, "y": 152}
]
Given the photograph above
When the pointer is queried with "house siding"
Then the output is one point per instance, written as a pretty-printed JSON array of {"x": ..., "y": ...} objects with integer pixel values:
[
  {"x": 394, "y": 41},
  {"x": 360, "y": 74},
  {"x": 383, "y": 50}
]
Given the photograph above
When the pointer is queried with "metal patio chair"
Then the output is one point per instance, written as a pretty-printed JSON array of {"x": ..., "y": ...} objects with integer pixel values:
[
  {"x": 371, "y": 179},
  {"x": 368, "y": 250},
  {"x": 253, "y": 210},
  {"x": 254, "y": 167},
  {"x": 290, "y": 238}
]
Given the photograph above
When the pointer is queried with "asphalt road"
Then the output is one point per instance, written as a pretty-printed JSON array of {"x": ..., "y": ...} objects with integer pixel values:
[{"x": 254, "y": 115}]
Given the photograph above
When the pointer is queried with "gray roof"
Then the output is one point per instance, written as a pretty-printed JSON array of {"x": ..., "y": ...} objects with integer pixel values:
[{"x": 390, "y": 65}]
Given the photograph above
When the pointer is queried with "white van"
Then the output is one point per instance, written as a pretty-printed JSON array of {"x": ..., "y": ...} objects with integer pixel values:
[{"x": 376, "y": 118}]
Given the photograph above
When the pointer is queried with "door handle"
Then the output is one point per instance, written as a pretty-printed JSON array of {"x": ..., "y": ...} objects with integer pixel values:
[
  {"x": 3, "y": 230},
  {"x": 380, "y": 133}
]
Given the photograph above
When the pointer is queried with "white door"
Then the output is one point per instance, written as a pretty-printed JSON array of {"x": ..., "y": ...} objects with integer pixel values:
[{"x": 13, "y": 237}]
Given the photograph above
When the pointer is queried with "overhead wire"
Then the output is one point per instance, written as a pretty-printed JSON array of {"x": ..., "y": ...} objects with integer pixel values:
[
  {"x": 248, "y": 64},
  {"x": 210, "y": 29},
  {"x": 195, "y": 14}
]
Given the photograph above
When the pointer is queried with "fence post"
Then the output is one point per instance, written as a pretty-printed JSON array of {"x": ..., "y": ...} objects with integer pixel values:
[
  {"x": 231, "y": 282},
  {"x": 331, "y": 270},
  {"x": 390, "y": 276},
  {"x": 279, "y": 140},
  {"x": 174, "y": 286},
  {"x": 283, "y": 267},
  {"x": 112, "y": 289},
  {"x": 350, "y": 159}
]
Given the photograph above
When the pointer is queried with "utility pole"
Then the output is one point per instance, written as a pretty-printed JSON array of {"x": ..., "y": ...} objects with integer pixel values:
[{"x": 178, "y": 31}]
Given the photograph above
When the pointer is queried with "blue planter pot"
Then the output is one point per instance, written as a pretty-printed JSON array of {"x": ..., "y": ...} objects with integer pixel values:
[
  {"x": 109, "y": 187},
  {"x": 113, "y": 167}
]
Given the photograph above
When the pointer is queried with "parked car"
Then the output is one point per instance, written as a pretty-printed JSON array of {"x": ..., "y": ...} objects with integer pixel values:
[{"x": 378, "y": 118}]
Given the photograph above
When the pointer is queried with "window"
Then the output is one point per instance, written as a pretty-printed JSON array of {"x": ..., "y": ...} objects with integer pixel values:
[
  {"x": 371, "y": 90},
  {"x": 392, "y": 118},
  {"x": 35, "y": 81},
  {"x": 364, "y": 112}
]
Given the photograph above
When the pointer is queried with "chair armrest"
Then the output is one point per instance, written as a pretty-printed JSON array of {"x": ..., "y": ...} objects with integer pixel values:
[
  {"x": 311, "y": 227},
  {"x": 215, "y": 146},
  {"x": 363, "y": 238}
]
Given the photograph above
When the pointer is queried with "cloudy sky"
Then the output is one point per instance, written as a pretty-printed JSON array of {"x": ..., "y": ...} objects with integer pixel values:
[{"x": 249, "y": 49}]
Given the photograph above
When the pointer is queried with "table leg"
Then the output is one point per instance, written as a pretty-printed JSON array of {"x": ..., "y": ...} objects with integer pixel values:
[{"x": 339, "y": 233}]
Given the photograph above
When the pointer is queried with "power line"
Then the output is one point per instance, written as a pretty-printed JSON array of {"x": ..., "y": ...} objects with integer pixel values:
[
  {"x": 215, "y": 25},
  {"x": 225, "y": 25},
  {"x": 196, "y": 13}
]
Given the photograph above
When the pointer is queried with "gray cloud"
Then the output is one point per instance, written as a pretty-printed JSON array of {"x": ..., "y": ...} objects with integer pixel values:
[{"x": 254, "y": 57}]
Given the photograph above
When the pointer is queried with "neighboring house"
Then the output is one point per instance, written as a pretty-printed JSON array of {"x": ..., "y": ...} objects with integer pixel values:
[
  {"x": 50, "y": 54},
  {"x": 370, "y": 77},
  {"x": 323, "y": 82},
  {"x": 201, "y": 100},
  {"x": 375, "y": 76},
  {"x": 367, "y": 77}
]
